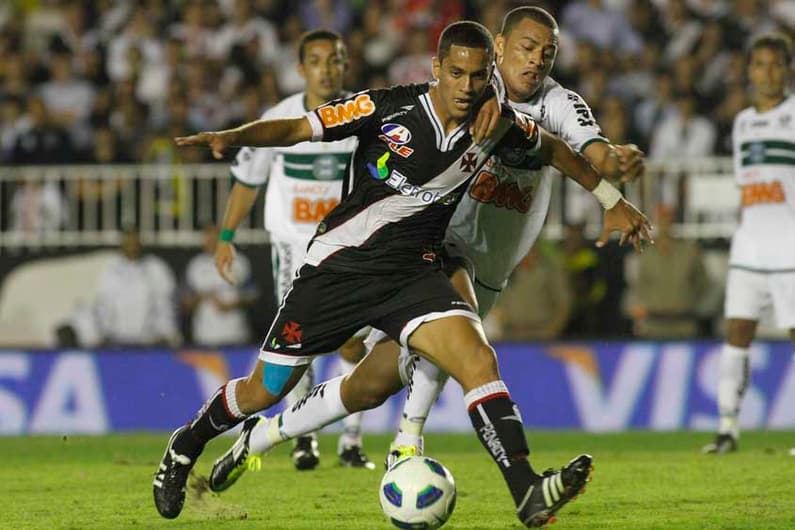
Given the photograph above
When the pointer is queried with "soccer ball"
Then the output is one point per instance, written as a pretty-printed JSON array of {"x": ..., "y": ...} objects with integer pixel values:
[{"x": 417, "y": 493}]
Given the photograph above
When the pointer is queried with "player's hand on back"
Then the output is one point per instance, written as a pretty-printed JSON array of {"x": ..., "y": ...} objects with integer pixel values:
[
  {"x": 630, "y": 222},
  {"x": 631, "y": 162},
  {"x": 217, "y": 141},
  {"x": 487, "y": 116},
  {"x": 224, "y": 258}
]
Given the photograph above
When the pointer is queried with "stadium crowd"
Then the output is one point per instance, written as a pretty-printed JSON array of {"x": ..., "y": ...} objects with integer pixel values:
[{"x": 113, "y": 81}]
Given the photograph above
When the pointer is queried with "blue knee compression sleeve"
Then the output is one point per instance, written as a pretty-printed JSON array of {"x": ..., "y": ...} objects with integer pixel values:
[{"x": 275, "y": 377}]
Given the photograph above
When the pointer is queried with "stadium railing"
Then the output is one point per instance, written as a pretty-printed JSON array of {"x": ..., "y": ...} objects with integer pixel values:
[{"x": 90, "y": 205}]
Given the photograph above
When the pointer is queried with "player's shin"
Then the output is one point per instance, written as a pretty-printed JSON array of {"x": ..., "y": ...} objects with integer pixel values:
[
  {"x": 424, "y": 387},
  {"x": 733, "y": 380},
  {"x": 319, "y": 407},
  {"x": 218, "y": 414},
  {"x": 499, "y": 427},
  {"x": 351, "y": 424}
]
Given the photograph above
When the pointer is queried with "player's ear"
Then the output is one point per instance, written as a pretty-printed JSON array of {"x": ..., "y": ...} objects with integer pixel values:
[
  {"x": 499, "y": 47},
  {"x": 436, "y": 67}
]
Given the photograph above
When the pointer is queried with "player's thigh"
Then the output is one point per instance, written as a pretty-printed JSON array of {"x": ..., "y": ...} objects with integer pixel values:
[
  {"x": 747, "y": 294},
  {"x": 462, "y": 283},
  {"x": 353, "y": 350},
  {"x": 374, "y": 379},
  {"x": 457, "y": 345},
  {"x": 782, "y": 289}
]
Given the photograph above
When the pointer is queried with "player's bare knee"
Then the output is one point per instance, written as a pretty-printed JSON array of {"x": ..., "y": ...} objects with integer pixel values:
[{"x": 740, "y": 333}]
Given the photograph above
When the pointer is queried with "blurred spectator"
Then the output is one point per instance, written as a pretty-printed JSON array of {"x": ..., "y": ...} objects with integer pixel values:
[
  {"x": 216, "y": 307},
  {"x": 656, "y": 107},
  {"x": 68, "y": 98},
  {"x": 683, "y": 134},
  {"x": 537, "y": 301},
  {"x": 37, "y": 208},
  {"x": 246, "y": 28},
  {"x": 134, "y": 305},
  {"x": 414, "y": 64},
  {"x": 587, "y": 284},
  {"x": 608, "y": 29},
  {"x": 335, "y": 15},
  {"x": 40, "y": 140},
  {"x": 671, "y": 282},
  {"x": 682, "y": 30}
]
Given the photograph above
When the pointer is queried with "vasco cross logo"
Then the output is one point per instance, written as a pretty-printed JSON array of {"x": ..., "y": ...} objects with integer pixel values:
[
  {"x": 292, "y": 332},
  {"x": 469, "y": 161}
]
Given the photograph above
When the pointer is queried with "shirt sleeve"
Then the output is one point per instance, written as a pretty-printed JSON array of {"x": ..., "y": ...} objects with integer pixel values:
[
  {"x": 346, "y": 117},
  {"x": 572, "y": 119}
]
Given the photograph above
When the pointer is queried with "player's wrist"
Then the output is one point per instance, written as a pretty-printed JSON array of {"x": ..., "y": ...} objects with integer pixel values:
[
  {"x": 227, "y": 235},
  {"x": 607, "y": 194}
]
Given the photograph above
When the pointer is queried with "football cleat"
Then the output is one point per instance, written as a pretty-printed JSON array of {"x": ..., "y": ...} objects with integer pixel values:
[
  {"x": 724, "y": 443},
  {"x": 353, "y": 456},
  {"x": 170, "y": 480},
  {"x": 553, "y": 490},
  {"x": 232, "y": 464},
  {"x": 305, "y": 454},
  {"x": 396, "y": 452}
]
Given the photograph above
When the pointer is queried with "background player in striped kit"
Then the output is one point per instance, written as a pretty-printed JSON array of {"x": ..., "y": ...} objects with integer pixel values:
[
  {"x": 762, "y": 258},
  {"x": 304, "y": 183}
]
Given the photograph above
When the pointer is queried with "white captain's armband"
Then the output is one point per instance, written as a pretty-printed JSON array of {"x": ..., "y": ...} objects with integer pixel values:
[{"x": 607, "y": 194}]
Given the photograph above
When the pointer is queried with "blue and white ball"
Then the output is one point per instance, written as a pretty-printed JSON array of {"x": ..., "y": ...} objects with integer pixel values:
[{"x": 417, "y": 493}]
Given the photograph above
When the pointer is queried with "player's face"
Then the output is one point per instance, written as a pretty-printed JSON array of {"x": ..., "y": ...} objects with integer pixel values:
[
  {"x": 463, "y": 76},
  {"x": 768, "y": 71},
  {"x": 323, "y": 68},
  {"x": 525, "y": 57}
]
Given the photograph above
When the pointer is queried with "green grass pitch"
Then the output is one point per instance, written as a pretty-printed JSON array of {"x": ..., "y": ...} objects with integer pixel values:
[{"x": 642, "y": 481}]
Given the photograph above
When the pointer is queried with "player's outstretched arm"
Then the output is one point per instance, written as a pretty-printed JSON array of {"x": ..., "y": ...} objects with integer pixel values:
[
  {"x": 260, "y": 133},
  {"x": 620, "y": 216}
]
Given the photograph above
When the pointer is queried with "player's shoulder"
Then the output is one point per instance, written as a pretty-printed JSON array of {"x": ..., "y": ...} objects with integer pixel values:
[
  {"x": 744, "y": 115},
  {"x": 555, "y": 94}
]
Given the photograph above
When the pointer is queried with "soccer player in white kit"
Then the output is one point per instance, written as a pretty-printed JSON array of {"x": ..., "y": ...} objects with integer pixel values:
[
  {"x": 304, "y": 183},
  {"x": 762, "y": 258}
]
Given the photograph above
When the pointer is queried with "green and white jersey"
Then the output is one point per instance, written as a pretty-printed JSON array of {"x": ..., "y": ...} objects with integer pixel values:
[
  {"x": 764, "y": 169},
  {"x": 500, "y": 217},
  {"x": 304, "y": 180}
]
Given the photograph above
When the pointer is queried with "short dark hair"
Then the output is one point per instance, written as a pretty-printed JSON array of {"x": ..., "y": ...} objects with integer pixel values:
[
  {"x": 537, "y": 14},
  {"x": 316, "y": 35},
  {"x": 774, "y": 41},
  {"x": 466, "y": 33}
]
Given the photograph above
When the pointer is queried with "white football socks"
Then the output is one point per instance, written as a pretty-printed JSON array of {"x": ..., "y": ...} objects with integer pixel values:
[
  {"x": 733, "y": 375},
  {"x": 352, "y": 423},
  {"x": 426, "y": 384},
  {"x": 321, "y": 406}
]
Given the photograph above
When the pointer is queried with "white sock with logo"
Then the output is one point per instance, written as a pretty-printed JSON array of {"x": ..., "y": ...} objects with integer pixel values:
[
  {"x": 318, "y": 408},
  {"x": 427, "y": 382},
  {"x": 352, "y": 423}
]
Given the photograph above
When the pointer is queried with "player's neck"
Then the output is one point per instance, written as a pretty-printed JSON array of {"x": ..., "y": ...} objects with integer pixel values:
[
  {"x": 448, "y": 122},
  {"x": 765, "y": 103}
]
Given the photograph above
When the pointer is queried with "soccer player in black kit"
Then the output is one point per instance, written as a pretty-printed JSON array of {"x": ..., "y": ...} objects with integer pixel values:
[{"x": 375, "y": 261}]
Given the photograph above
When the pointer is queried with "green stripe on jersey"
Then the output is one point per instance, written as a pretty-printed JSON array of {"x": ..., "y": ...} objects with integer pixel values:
[
  {"x": 769, "y": 144},
  {"x": 768, "y": 160},
  {"x": 319, "y": 166}
]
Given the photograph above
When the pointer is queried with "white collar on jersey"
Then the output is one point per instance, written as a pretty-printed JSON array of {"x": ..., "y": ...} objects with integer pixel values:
[{"x": 443, "y": 142}]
